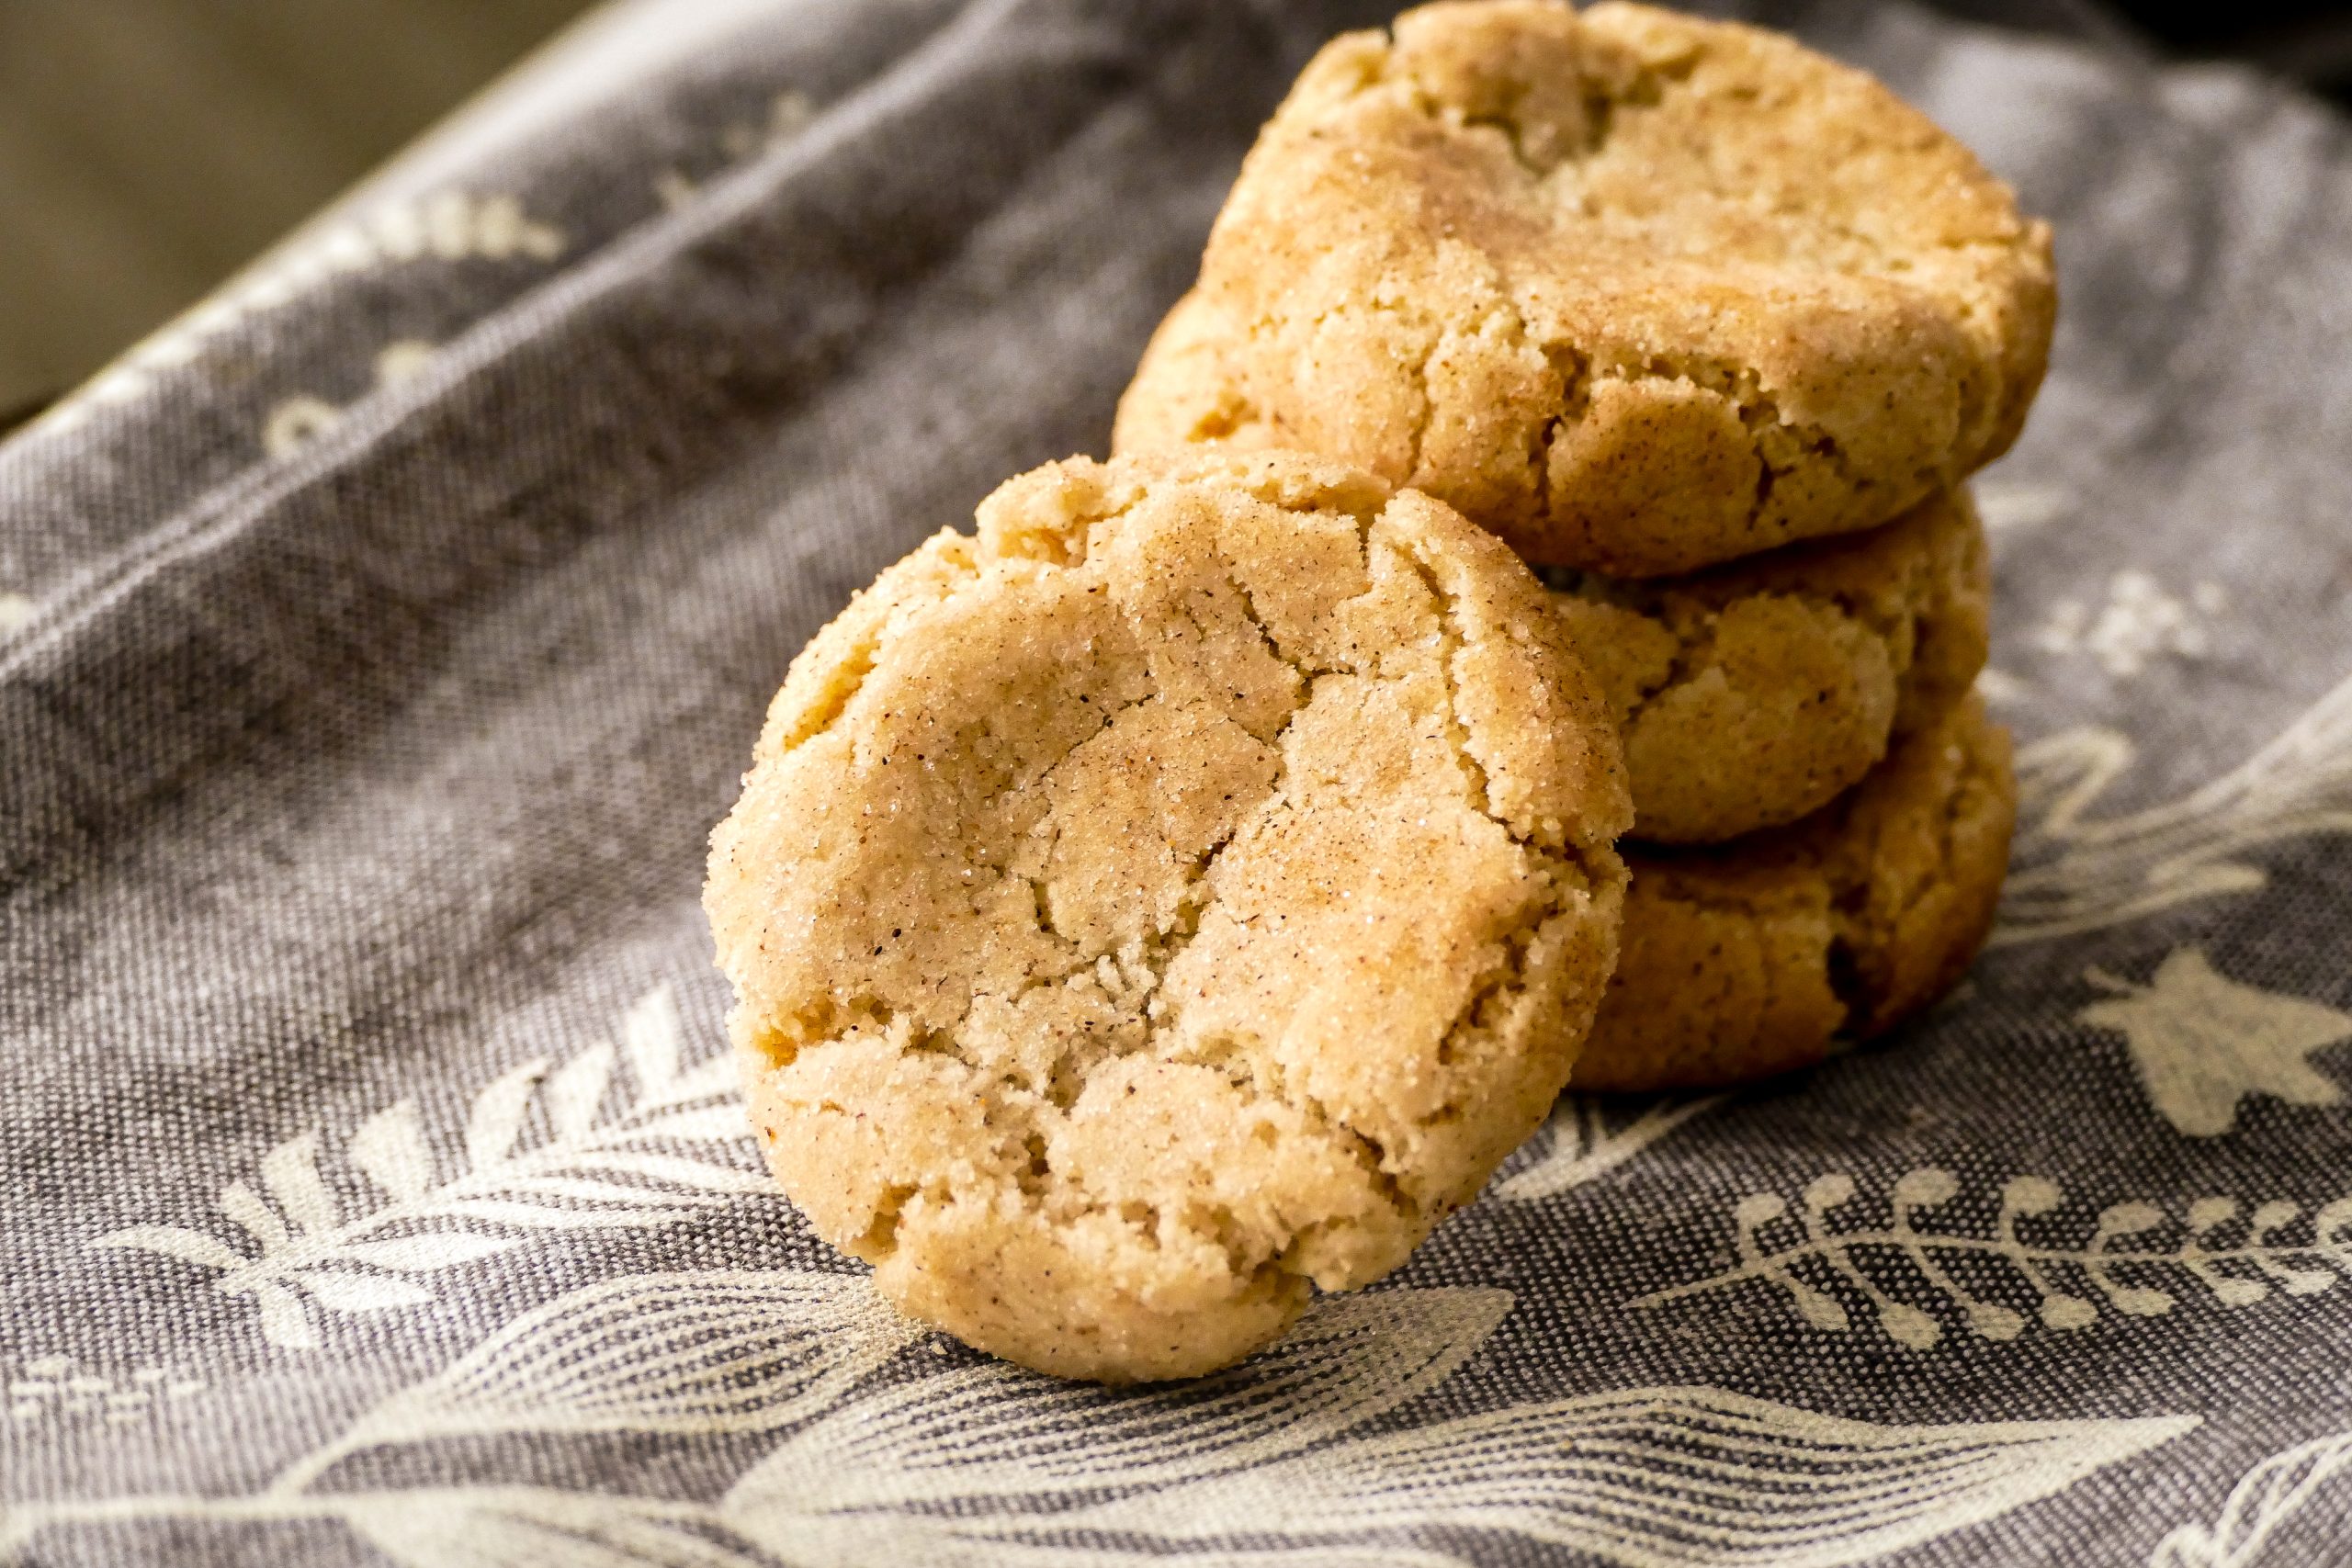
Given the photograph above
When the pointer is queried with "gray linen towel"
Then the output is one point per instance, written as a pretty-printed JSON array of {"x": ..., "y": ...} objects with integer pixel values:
[{"x": 383, "y": 639}]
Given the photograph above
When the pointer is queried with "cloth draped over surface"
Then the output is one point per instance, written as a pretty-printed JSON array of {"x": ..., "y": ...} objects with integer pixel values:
[{"x": 382, "y": 639}]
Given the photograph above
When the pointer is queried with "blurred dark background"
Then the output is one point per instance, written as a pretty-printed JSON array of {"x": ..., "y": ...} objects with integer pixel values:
[
  {"x": 149, "y": 148},
  {"x": 2307, "y": 40}
]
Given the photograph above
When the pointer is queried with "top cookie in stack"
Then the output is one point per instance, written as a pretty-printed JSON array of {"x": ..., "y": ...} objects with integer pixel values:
[
  {"x": 1639, "y": 292},
  {"x": 1712, "y": 329}
]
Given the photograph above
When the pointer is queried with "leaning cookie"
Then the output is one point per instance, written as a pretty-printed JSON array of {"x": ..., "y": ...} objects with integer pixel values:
[
  {"x": 1641, "y": 292},
  {"x": 1750, "y": 959},
  {"x": 1187, "y": 889},
  {"x": 1756, "y": 693}
]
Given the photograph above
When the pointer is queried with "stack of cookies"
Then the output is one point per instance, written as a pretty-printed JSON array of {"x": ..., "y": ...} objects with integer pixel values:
[
  {"x": 1711, "y": 330},
  {"x": 1182, "y": 893}
]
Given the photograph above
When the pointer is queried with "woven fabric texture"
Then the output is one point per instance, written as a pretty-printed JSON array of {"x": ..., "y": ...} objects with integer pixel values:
[{"x": 382, "y": 641}]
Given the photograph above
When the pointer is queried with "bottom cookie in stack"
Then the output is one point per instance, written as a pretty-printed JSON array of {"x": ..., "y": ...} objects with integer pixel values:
[
  {"x": 1768, "y": 954},
  {"x": 1756, "y": 692}
]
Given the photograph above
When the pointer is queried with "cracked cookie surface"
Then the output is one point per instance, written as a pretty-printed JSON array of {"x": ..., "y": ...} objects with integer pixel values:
[
  {"x": 1187, "y": 889},
  {"x": 1744, "y": 960},
  {"x": 1753, "y": 693},
  {"x": 1640, "y": 292}
]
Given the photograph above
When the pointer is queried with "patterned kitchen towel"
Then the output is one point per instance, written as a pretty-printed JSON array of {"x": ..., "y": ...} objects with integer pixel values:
[{"x": 383, "y": 638}]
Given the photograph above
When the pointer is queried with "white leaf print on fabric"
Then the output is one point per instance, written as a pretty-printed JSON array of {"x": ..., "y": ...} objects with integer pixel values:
[
  {"x": 294, "y": 422},
  {"x": 2139, "y": 622},
  {"x": 790, "y": 113},
  {"x": 2008, "y": 507},
  {"x": 1352, "y": 1358},
  {"x": 591, "y": 1171},
  {"x": 2258, "y": 1507},
  {"x": 1650, "y": 1478},
  {"x": 2000, "y": 688},
  {"x": 290, "y": 1171},
  {"x": 172, "y": 1241},
  {"x": 2202, "y": 1041},
  {"x": 390, "y": 1151},
  {"x": 1587, "y": 1137},
  {"x": 726, "y": 1351},
  {"x": 990, "y": 1464},
  {"x": 444, "y": 226},
  {"x": 2236, "y": 1257},
  {"x": 2072, "y": 871},
  {"x": 49, "y": 1388}
]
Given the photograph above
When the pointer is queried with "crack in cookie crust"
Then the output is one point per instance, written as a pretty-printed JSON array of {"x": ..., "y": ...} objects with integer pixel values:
[
  {"x": 1640, "y": 292},
  {"x": 1750, "y": 693},
  {"x": 1745, "y": 960},
  {"x": 1754, "y": 694},
  {"x": 1189, "y": 888}
]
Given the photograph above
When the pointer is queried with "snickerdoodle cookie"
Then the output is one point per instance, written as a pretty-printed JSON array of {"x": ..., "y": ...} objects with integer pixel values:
[
  {"x": 1640, "y": 292},
  {"x": 1753, "y": 693},
  {"x": 1744, "y": 960},
  {"x": 1187, "y": 889}
]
